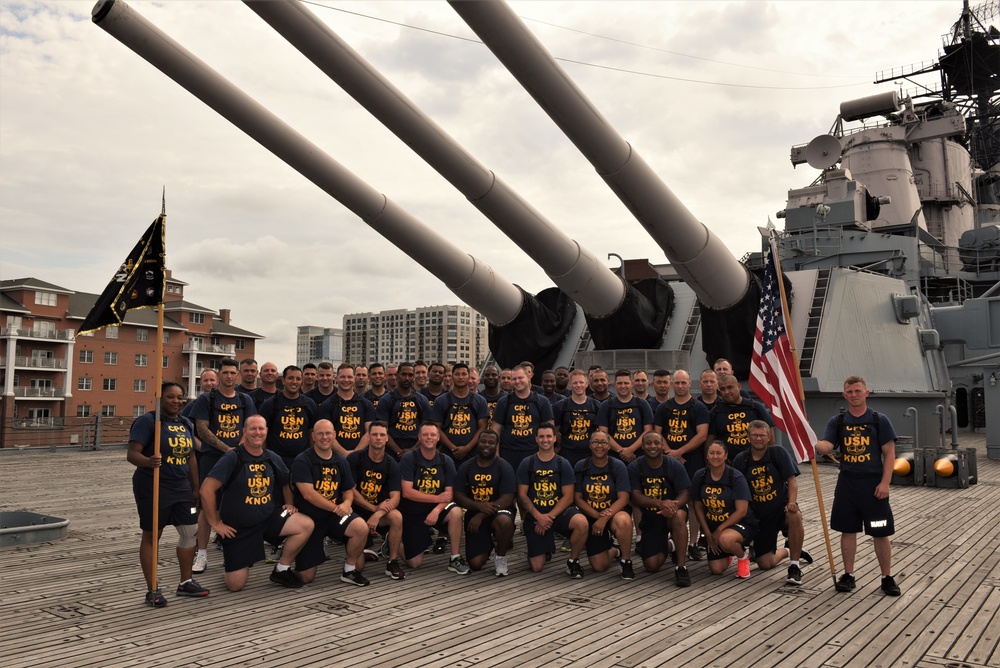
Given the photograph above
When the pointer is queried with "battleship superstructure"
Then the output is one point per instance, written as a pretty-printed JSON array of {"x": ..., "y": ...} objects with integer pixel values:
[{"x": 892, "y": 254}]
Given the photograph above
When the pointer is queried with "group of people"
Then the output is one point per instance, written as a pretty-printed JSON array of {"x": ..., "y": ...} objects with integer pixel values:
[{"x": 420, "y": 455}]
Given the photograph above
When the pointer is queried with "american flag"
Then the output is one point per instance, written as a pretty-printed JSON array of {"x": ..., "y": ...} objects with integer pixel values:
[{"x": 774, "y": 373}]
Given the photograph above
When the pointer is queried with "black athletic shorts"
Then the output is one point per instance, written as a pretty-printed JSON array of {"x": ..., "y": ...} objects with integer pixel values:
[{"x": 855, "y": 507}]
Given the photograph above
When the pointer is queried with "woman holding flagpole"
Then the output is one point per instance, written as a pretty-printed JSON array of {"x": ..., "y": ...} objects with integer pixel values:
[{"x": 178, "y": 489}]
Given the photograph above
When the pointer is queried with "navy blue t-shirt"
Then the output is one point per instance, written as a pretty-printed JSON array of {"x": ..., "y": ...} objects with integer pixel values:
[
  {"x": 576, "y": 423},
  {"x": 519, "y": 420},
  {"x": 251, "y": 495},
  {"x": 226, "y": 416},
  {"x": 485, "y": 485},
  {"x": 545, "y": 480},
  {"x": 768, "y": 479},
  {"x": 730, "y": 423},
  {"x": 374, "y": 480},
  {"x": 600, "y": 485},
  {"x": 625, "y": 421},
  {"x": 665, "y": 481},
  {"x": 430, "y": 476},
  {"x": 176, "y": 444},
  {"x": 329, "y": 477},
  {"x": 403, "y": 415},
  {"x": 349, "y": 417},
  {"x": 289, "y": 422},
  {"x": 720, "y": 496},
  {"x": 459, "y": 417},
  {"x": 860, "y": 440}
]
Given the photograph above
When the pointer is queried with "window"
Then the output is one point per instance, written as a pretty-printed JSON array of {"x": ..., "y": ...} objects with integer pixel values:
[
  {"x": 108, "y": 411},
  {"x": 110, "y": 358},
  {"x": 84, "y": 383},
  {"x": 86, "y": 357},
  {"x": 139, "y": 386},
  {"x": 110, "y": 384},
  {"x": 142, "y": 360},
  {"x": 43, "y": 383},
  {"x": 197, "y": 319},
  {"x": 83, "y": 410},
  {"x": 142, "y": 334},
  {"x": 241, "y": 344},
  {"x": 39, "y": 413},
  {"x": 166, "y": 336},
  {"x": 216, "y": 341},
  {"x": 138, "y": 410},
  {"x": 111, "y": 332},
  {"x": 166, "y": 361},
  {"x": 45, "y": 298}
]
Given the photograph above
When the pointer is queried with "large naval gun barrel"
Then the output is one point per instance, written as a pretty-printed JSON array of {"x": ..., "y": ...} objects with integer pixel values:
[
  {"x": 499, "y": 300},
  {"x": 700, "y": 258},
  {"x": 620, "y": 315}
]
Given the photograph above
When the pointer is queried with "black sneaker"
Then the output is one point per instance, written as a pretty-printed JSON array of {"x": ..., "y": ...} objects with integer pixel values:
[
  {"x": 393, "y": 570},
  {"x": 805, "y": 556},
  {"x": 794, "y": 576},
  {"x": 694, "y": 553},
  {"x": 286, "y": 578},
  {"x": 889, "y": 586},
  {"x": 574, "y": 569},
  {"x": 440, "y": 545},
  {"x": 354, "y": 577},
  {"x": 682, "y": 577},
  {"x": 156, "y": 599},
  {"x": 672, "y": 549},
  {"x": 191, "y": 588},
  {"x": 845, "y": 583},
  {"x": 627, "y": 572},
  {"x": 370, "y": 555}
]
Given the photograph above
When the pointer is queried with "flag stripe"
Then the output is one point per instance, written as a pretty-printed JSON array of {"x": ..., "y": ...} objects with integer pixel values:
[{"x": 773, "y": 370}]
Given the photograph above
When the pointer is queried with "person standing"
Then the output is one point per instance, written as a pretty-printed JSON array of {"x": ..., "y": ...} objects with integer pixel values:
[
  {"x": 248, "y": 376},
  {"x": 624, "y": 417},
  {"x": 403, "y": 409},
  {"x": 576, "y": 419},
  {"x": 517, "y": 417},
  {"x": 349, "y": 411},
  {"x": 461, "y": 415},
  {"x": 861, "y": 500},
  {"x": 289, "y": 416},
  {"x": 729, "y": 420},
  {"x": 178, "y": 488}
]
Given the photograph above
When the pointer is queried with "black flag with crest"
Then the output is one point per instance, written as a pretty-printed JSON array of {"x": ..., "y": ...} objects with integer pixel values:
[{"x": 139, "y": 283}]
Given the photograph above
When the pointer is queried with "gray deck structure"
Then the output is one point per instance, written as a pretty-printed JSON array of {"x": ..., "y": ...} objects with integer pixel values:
[{"x": 79, "y": 601}]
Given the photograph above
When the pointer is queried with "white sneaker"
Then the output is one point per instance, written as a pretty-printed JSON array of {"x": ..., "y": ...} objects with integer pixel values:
[
  {"x": 501, "y": 566},
  {"x": 200, "y": 562}
]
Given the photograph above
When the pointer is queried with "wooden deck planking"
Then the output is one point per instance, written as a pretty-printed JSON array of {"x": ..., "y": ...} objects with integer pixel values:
[{"x": 946, "y": 561}]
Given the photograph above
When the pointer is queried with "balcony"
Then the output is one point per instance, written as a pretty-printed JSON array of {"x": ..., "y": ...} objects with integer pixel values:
[
  {"x": 39, "y": 392},
  {"x": 53, "y": 364},
  {"x": 49, "y": 335},
  {"x": 209, "y": 349}
]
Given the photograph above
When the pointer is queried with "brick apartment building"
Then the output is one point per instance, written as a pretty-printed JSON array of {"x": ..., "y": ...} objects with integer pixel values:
[{"x": 55, "y": 381}]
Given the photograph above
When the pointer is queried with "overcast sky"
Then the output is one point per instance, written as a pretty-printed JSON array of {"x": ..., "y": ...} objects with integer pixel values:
[{"x": 711, "y": 94}]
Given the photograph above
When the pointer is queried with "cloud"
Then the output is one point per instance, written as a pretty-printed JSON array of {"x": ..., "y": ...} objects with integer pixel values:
[{"x": 90, "y": 134}]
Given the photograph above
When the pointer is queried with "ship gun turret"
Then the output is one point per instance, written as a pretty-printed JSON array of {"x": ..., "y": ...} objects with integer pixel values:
[
  {"x": 620, "y": 315},
  {"x": 726, "y": 291},
  {"x": 499, "y": 300}
]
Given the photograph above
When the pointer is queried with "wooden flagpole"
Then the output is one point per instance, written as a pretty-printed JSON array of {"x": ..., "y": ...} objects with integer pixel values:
[
  {"x": 158, "y": 392},
  {"x": 802, "y": 397}
]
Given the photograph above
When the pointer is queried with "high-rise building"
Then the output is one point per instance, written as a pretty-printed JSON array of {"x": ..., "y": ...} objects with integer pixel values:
[
  {"x": 48, "y": 373},
  {"x": 431, "y": 333},
  {"x": 316, "y": 344}
]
